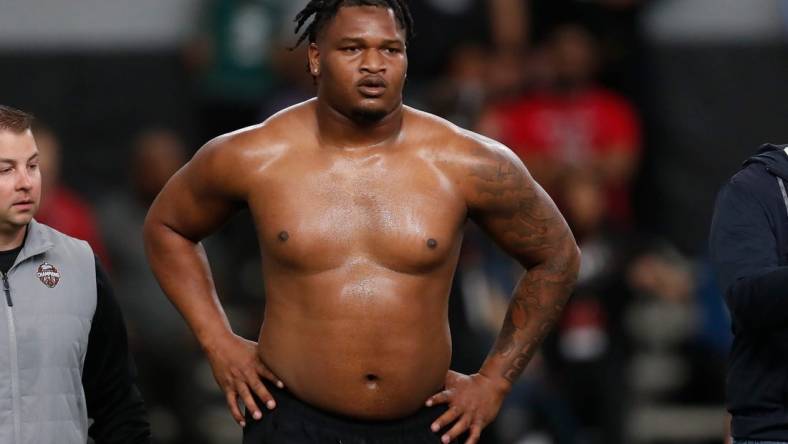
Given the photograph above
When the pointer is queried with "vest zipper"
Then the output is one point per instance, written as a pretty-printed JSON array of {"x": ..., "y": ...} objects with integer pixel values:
[
  {"x": 7, "y": 291},
  {"x": 14, "y": 358}
]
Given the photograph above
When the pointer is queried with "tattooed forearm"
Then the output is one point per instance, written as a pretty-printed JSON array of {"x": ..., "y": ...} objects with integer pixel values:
[
  {"x": 537, "y": 303},
  {"x": 522, "y": 218}
]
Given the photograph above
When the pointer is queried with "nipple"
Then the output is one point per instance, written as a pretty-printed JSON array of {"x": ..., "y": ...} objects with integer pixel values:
[
  {"x": 432, "y": 244},
  {"x": 283, "y": 236}
]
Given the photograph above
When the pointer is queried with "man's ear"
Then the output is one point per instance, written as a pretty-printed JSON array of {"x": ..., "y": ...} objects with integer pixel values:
[{"x": 313, "y": 53}]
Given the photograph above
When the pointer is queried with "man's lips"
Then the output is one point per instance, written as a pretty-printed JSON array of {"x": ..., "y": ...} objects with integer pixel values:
[
  {"x": 372, "y": 87},
  {"x": 372, "y": 91},
  {"x": 23, "y": 203}
]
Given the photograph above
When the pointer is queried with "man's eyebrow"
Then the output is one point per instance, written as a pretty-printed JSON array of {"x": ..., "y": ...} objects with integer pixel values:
[
  {"x": 14, "y": 161},
  {"x": 360, "y": 40},
  {"x": 351, "y": 40}
]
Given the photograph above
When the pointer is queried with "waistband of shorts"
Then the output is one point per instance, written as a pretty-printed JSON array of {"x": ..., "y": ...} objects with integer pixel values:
[{"x": 290, "y": 405}]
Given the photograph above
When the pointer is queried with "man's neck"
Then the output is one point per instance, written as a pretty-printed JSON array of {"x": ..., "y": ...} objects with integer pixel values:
[
  {"x": 337, "y": 130},
  {"x": 12, "y": 237}
]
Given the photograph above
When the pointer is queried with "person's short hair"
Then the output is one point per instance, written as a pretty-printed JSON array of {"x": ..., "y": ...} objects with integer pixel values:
[
  {"x": 14, "y": 120},
  {"x": 322, "y": 11}
]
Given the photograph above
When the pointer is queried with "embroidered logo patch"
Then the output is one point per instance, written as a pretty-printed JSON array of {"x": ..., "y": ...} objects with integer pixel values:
[{"x": 48, "y": 274}]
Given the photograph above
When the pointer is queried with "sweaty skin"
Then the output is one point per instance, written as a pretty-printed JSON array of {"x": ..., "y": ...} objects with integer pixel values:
[
  {"x": 359, "y": 221},
  {"x": 356, "y": 275},
  {"x": 356, "y": 297}
]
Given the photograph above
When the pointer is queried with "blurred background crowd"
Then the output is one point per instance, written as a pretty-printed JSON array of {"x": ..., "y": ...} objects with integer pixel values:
[{"x": 630, "y": 113}]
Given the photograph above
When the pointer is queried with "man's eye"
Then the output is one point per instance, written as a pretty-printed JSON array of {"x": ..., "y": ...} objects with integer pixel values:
[
  {"x": 5, "y": 170},
  {"x": 393, "y": 50},
  {"x": 350, "y": 49}
]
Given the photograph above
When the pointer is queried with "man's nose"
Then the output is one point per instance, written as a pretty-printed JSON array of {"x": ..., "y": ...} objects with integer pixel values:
[
  {"x": 373, "y": 61},
  {"x": 23, "y": 180}
]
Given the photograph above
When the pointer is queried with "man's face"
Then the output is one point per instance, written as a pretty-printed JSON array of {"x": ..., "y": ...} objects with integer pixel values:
[
  {"x": 20, "y": 179},
  {"x": 360, "y": 62}
]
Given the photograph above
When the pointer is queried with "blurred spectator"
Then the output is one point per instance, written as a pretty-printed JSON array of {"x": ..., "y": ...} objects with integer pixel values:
[
  {"x": 445, "y": 26},
  {"x": 512, "y": 72},
  {"x": 510, "y": 24},
  {"x": 674, "y": 364},
  {"x": 461, "y": 93},
  {"x": 231, "y": 60},
  {"x": 442, "y": 26},
  {"x": 290, "y": 66},
  {"x": 586, "y": 355},
  {"x": 158, "y": 336},
  {"x": 616, "y": 25},
  {"x": 575, "y": 123},
  {"x": 61, "y": 207}
]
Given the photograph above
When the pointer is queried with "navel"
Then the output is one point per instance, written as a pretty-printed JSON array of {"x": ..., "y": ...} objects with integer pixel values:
[
  {"x": 372, "y": 381},
  {"x": 283, "y": 236}
]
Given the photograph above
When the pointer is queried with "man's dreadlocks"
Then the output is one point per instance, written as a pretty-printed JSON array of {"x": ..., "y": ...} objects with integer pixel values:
[{"x": 324, "y": 10}]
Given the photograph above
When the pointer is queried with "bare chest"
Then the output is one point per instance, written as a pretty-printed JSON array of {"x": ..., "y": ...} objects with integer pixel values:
[{"x": 406, "y": 217}]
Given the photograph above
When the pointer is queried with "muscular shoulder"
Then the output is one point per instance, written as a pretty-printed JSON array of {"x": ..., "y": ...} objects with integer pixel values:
[
  {"x": 474, "y": 162},
  {"x": 450, "y": 142},
  {"x": 253, "y": 144},
  {"x": 235, "y": 157}
]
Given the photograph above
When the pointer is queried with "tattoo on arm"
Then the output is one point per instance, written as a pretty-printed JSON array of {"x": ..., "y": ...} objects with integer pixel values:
[
  {"x": 529, "y": 319},
  {"x": 525, "y": 222}
]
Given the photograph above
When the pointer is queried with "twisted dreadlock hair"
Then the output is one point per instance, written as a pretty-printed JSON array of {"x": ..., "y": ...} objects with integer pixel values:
[{"x": 324, "y": 10}]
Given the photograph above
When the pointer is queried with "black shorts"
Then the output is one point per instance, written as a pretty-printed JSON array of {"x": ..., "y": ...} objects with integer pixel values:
[{"x": 295, "y": 422}]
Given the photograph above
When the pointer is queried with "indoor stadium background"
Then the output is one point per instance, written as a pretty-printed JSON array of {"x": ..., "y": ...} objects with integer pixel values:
[{"x": 630, "y": 113}]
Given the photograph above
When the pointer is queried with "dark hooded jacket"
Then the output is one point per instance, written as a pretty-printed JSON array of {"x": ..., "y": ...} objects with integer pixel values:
[{"x": 749, "y": 248}]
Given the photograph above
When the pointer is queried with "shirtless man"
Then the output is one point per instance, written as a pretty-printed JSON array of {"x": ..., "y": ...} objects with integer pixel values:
[{"x": 359, "y": 204}]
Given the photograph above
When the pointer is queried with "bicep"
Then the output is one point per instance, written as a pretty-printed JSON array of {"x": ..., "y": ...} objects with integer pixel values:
[
  {"x": 197, "y": 200},
  {"x": 515, "y": 211}
]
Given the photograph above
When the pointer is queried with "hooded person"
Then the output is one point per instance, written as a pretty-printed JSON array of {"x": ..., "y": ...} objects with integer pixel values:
[{"x": 749, "y": 248}]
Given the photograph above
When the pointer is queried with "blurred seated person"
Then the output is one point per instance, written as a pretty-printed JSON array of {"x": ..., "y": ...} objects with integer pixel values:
[
  {"x": 161, "y": 341},
  {"x": 156, "y": 155},
  {"x": 62, "y": 208},
  {"x": 572, "y": 122},
  {"x": 230, "y": 59},
  {"x": 458, "y": 95},
  {"x": 586, "y": 355}
]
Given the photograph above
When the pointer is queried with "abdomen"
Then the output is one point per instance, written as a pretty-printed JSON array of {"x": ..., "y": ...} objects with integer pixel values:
[{"x": 364, "y": 343}]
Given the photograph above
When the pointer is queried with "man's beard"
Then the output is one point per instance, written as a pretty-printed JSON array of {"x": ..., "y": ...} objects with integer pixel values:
[{"x": 367, "y": 117}]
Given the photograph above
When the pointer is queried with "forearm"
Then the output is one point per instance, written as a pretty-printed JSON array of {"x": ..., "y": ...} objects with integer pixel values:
[
  {"x": 184, "y": 274},
  {"x": 760, "y": 301},
  {"x": 536, "y": 304}
]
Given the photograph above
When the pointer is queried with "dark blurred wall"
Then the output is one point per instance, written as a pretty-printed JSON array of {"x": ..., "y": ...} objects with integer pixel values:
[
  {"x": 708, "y": 107},
  {"x": 96, "y": 101}
]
